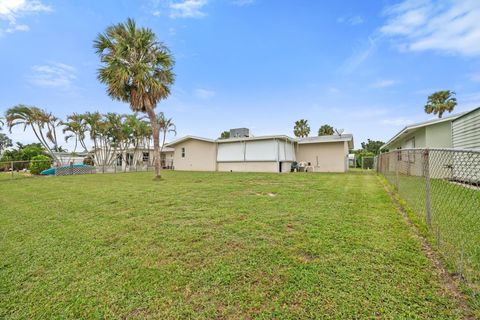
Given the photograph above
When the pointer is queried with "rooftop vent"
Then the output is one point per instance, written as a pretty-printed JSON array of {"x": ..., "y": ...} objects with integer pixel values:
[{"x": 239, "y": 133}]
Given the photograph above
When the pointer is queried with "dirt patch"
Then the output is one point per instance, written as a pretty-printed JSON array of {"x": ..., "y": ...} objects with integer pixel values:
[{"x": 449, "y": 281}]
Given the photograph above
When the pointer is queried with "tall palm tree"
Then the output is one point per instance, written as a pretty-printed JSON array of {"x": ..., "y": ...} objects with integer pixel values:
[
  {"x": 2, "y": 123},
  {"x": 325, "y": 130},
  {"x": 137, "y": 69},
  {"x": 301, "y": 128},
  {"x": 441, "y": 101}
]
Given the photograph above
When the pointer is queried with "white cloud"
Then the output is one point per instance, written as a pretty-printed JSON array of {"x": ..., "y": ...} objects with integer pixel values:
[
  {"x": 12, "y": 10},
  {"x": 383, "y": 83},
  {"x": 359, "y": 55},
  {"x": 187, "y": 9},
  {"x": 353, "y": 20},
  {"x": 399, "y": 122},
  {"x": 452, "y": 27},
  {"x": 203, "y": 93},
  {"x": 242, "y": 3},
  {"x": 54, "y": 75}
]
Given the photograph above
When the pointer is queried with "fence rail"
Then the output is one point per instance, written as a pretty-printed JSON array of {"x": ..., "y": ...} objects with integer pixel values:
[
  {"x": 10, "y": 170},
  {"x": 442, "y": 187}
]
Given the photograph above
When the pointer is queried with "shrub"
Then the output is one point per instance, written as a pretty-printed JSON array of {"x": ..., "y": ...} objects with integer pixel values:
[
  {"x": 88, "y": 160},
  {"x": 39, "y": 164}
]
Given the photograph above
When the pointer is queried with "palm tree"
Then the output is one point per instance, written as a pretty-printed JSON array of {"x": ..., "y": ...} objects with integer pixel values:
[
  {"x": 325, "y": 130},
  {"x": 42, "y": 123},
  {"x": 2, "y": 123},
  {"x": 137, "y": 69},
  {"x": 301, "y": 128},
  {"x": 166, "y": 126},
  {"x": 441, "y": 101},
  {"x": 77, "y": 128}
]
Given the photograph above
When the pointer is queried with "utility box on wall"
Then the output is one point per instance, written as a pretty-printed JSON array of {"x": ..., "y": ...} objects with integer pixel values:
[{"x": 239, "y": 133}]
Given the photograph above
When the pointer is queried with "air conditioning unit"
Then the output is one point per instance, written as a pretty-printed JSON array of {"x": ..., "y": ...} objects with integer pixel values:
[{"x": 239, "y": 133}]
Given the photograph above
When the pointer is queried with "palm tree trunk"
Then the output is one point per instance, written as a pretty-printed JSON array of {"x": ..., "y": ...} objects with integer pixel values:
[{"x": 156, "y": 141}]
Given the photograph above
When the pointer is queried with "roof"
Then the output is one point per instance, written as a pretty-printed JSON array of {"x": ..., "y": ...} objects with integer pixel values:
[
  {"x": 423, "y": 124},
  {"x": 282, "y": 137},
  {"x": 174, "y": 142},
  {"x": 331, "y": 138},
  {"x": 466, "y": 113}
]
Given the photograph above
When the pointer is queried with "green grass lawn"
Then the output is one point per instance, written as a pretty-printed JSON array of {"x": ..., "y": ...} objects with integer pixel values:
[{"x": 211, "y": 245}]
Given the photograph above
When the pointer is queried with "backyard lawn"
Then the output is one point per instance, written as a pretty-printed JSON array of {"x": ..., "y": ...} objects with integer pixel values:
[{"x": 211, "y": 245}]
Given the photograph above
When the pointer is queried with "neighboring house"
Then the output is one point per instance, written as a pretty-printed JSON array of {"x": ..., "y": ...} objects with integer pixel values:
[
  {"x": 459, "y": 131},
  {"x": 466, "y": 130},
  {"x": 66, "y": 158},
  {"x": 274, "y": 153},
  {"x": 131, "y": 158}
]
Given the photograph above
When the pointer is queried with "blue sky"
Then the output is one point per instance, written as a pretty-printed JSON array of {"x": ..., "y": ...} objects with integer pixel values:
[{"x": 364, "y": 66}]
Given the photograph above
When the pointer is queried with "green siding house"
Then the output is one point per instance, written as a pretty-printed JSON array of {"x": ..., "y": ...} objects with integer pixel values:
[
  {"x": 459, "y": 131},
  {"x": 466, "y": 130}
]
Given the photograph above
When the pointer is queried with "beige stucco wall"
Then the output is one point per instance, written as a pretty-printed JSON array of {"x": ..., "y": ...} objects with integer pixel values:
[
  {"x": 249, "y": 166},
  {"x": 331, "y": 156},
  {"x": 199, "y": 156}
]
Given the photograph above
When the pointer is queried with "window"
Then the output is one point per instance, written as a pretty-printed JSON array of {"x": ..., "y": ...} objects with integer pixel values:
[
  {"x": 183, "y": 152},
  {"x": 146, "y": 156},
  {"x": 399, "y": 154}
]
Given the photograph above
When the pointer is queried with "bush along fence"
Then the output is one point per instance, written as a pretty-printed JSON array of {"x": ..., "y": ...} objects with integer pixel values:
[
  {"x": 24, "y": 169},
  {"x": 442, "y": 187}
]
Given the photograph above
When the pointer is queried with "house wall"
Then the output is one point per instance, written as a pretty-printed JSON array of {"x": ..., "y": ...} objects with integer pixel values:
[
  {"x": 250, "y": 166},
  {"x": 466, "y": 131},
  {"x": 439, "y": 135},
  {"x": 199, "y": 156},
  {"x": 419, "y": 137},
  {"x": 326, "y": 157}
]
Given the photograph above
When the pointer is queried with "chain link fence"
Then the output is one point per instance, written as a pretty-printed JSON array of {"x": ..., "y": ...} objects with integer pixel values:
[
  {"x": 442, "y": 186},
  {"x": 11, "y": 170}
]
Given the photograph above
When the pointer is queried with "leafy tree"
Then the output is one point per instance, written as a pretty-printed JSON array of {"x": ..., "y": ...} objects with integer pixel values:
[
  {"x": 441, "y": 101},
  {"x": 137, "y": 69},
  {"x": 23, "y": 152},
  {"x": 362, "y": 153},
  {"x": 5, "y": 142},
  {"x": 225, "y": 135},
  {"x": 40, "y": 163},
  {"x": 301, "y": 128},
  {"x": 372, "y": 146},
  {"x": 325, "y": 130}
]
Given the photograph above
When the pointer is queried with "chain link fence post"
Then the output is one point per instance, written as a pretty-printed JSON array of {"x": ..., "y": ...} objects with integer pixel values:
[
  {"x": 12, "y": 168},
  {"x": 426, "y": 171},
  {"x": 397, "y": 155}
]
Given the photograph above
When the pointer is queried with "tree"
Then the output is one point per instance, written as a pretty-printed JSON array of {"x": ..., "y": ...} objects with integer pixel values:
[
  {"x": 325, "y": 130},
  {"x": 76, "y": 128},
  {"x": 301, "y": 128},
  {"x": 372, "y": 146},
  {"x": 5, "y": 142},
  {"x": 441, "y": 101},
  {"x": 2, "y": 123},
  {"x": 137, "y": 69},
  {"x": 42, "y": 123},
  {"x": 225, "y": 135},
  {"x": 166, "y": 126}
]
